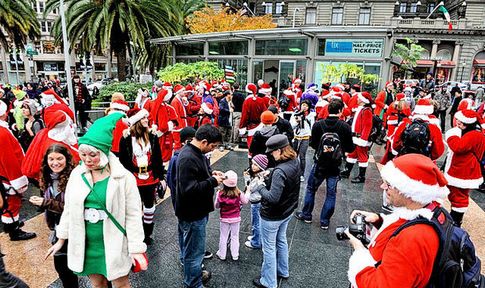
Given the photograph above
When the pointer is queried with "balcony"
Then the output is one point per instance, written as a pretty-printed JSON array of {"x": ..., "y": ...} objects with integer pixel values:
[{"x": 428, "y": 23}]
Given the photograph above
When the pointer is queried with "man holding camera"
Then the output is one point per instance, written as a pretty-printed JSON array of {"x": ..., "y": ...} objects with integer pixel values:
[{"x": 414, "y": 185}]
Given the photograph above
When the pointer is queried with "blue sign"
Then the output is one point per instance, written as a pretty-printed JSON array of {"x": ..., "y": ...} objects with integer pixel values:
[
  {"x": 356, "y": 48},
  {"x": 338, "y": 47}
]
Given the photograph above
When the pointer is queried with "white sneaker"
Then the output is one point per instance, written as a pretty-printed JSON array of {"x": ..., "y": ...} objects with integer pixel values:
[
  {"x": 302, "y": 178},
  {"x": 250, "y": 237}
]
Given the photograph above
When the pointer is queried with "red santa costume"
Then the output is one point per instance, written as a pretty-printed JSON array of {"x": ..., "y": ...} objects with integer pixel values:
[
  {"x": 118, "y": 106},
  {"x": 193, "y": 107},
  {"x": 462, "y": 169},
  {"x": 384, "y": 99},
  {"x": 361, "y": 128},
  {"x": 422, "y": 110},
  {"x": 296, "y": 87},
  {"x": 165, "y": 118},
  {"x": 407, "y": 259},
  {"x": 59, "y": 130},
  {"x": 205, "y": 115},
  {"x": 253, "y": 106},
  {"x": 52, "y": 102},
  {"x": 143, "y": 100},
  {"x": 179, "y": 103},
  {"x": 292, "y": 104}
]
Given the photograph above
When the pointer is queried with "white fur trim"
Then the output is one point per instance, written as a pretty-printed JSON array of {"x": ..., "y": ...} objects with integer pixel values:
[
  {"x": 206, "y": 109},
  {"x": 362, "y": 98},
  {"x": 463, "y": 183},
  {"x": 10, "y": 220},
  {"x": 360, "y": 259},
  {"x": 392, "y": 122},
  {"x": 459, "y": 209},
  {"x": 253, "y": 131},
  {"x": 3, "y": 108},
  {"x": 360, "y": 142},
  {"x": 265, "y": 91},
  {"x": 180, "y": 91},
  {"x": 453, "y": 132},
  {"x": 423, "y": 109},
  {"x": 242, "y": 131},
  {"x": 351, "y": 160},
  {"x": 412, "y": 188},
  {"x": 20, "y": 182},
  {"x": 138, "y": 116},
  {"x": 462, "y": 118},
  {"x": 119, "y": 106},
  {"x": 288, "y": 92},
  {"x": 364, "y": 164}
]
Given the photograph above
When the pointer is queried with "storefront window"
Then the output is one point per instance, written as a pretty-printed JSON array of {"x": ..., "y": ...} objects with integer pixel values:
[
  {"x": 189, "y": 49},
  {"x": 240, "y": 67},
  {"x": 325, "y": 70},
  {"x": 281, "y": 47},
  {"x": 228, "y": 48},
  {"x": 478, "y": 73}
]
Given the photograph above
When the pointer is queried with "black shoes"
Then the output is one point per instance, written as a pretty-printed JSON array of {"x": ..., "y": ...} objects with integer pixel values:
[
  {"x": 257, "y": 283},
  {"x": 345, "y": 174},
  {"x": 358, "y": 179},
  {"x": 206, "y": 276},
  {"x": 20, "y": 235},
  {"x": 299, "y": 216},
  {"x": 208, "y": 255}
]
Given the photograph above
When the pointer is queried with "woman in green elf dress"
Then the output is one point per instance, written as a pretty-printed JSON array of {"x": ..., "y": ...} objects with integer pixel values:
[{"x": 102, "y": 212}]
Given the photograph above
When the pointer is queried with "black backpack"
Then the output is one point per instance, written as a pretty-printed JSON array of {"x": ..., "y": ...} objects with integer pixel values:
[
  {"x": 4, "y": 195},
  {"x": 283, "y": 102},
  {"x": 377, "y": 129},
  {"x": 415, "y": 138},
  {"x": 329, "y": 149},
  {"x": 456, "y": 264}
]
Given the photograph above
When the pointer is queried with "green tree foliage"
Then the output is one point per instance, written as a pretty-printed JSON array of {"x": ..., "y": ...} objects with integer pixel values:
[
  {"x": 119, "y": 25},
  {"x": 181, "y": 72},
  {"x": 18, "y": 22},
  {"x": 407, "y": 54}
]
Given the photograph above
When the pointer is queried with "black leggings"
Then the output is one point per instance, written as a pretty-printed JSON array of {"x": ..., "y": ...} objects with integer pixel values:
[
  {"x": 147, "y": 194},
  {"x": 68, "y": 278}
]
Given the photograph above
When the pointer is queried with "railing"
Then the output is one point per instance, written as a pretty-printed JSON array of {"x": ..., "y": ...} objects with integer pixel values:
[{"x": 427, "y": 23}]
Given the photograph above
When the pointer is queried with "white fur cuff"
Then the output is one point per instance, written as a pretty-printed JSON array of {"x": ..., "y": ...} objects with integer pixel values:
[{"x": 360, "y": 259}]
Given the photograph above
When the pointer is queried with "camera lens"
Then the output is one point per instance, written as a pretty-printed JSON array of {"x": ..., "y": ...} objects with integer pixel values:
[{"x": 340, "y": 233}]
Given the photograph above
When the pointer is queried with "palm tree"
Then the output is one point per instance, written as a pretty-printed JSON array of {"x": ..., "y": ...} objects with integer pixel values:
[
  {"x": 18, "y": 21},
  {"x": 120, "y": 25}
]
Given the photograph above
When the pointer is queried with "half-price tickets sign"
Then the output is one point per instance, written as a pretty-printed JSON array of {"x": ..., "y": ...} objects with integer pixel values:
[{"x": 366, "y": 48}]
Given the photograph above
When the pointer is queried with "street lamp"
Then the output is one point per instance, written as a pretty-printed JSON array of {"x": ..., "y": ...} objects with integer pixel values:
[
  {"x": 462, "y": 70},
  {"x": 66, "y": 56}
]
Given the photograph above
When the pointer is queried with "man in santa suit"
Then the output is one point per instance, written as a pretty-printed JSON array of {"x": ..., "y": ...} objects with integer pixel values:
[
  {"x": 296, "y": 87},
  {"x": 462, "y": 170},
  {"x": 361, "y": 128},
  {"x": 352, "y": 105},
  {"x": 12, "y": 178},
  {"x": 384, "y": 99},
  {"x": 59, "y": 130},
  {"x": 193, "y": 107},
  {"x": 118, "y": 105},
  {"x": 164, "y": 118},
  {"x": 142, "y": 100},
  {"x": 254, "y": 105},
  {"x": 415, "y": 186},
  {"x": 179, "y": 103},
  {"x": 336, "y": 93},
  {"x": 422, "y": 110},
  {"x": 53, "y": 102}
]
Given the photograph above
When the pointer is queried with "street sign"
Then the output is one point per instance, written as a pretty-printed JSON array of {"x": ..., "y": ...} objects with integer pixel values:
[{"x": 30, "y": 50}]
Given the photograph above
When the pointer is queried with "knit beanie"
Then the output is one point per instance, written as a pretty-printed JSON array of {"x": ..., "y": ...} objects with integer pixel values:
[
  {"x": 100, "y": 134},
  {"x": 268, "y": 118},
  {"x": 31, "y": 105},
  {"x": 231, "y": 179},
  {"x": 261, "y": 161}
]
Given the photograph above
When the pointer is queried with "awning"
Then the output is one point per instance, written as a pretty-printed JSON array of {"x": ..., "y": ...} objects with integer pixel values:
[
  {"x": 425, "y": 63},
  {"x": 446, "y": 64},
  {"x": 479, "y": 62}
]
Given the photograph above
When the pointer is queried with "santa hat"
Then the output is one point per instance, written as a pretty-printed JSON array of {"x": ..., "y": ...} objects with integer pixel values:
[
  {"x": 100, "y": 134},
  {"x": 48, "y": 98},
  {"x": 265, "y": 89},
  {"x": 189, "y": 89},
  {"x": 416, "y": 177},
  {"x": 178, "y": 89},
  {"x": 312, "y": 86},
  {"x": 3, "y": 108},
  {"x": 251, "y": 88},
  {"x": 466, "y": 116},
  {"x": 53, "y": 118},
  {"x": 365, "y": 97},
  {"x": 400, "y": 96},
  {"x": 389, "y": 83},
  {"x": 119, "y": 105},
  {"x": 297, "y": 81},
  {"x": 335, "y": 89},
  {"x": 167, "y": 86},
  {"x": 207, "y": 108},
  {"x": 136, "y": 114},
  {"x": 424, "y": 107}
]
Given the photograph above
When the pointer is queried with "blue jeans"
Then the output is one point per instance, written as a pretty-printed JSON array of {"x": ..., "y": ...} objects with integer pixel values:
[
  {"x": 255, "y": 229},
  {"x": 192, "y": 250},
  {"x": 329, "y": 204},
  {"x": 275, "y": 251}
]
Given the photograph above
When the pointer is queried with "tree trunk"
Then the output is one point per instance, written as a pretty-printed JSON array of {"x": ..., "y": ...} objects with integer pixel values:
[
  {"x": 110, "y": 63},
  {"x": 121, "y": 56}
]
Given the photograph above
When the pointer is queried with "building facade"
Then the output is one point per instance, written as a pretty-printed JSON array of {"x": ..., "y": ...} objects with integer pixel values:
[
  {"x": 450, "y": 55},
  {"x": 47, "y": 59}
]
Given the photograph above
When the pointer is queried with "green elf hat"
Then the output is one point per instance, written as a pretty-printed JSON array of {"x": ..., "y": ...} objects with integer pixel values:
[{"x": 100, "y": 134}]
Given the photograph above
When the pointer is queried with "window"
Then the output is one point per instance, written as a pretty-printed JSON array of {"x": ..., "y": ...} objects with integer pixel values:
[
  {"x": 281, "y": 47},
  {"x": 228, "y": 48},
  {"x": 431, "y": 7},
  {"x": 188, "y": 49},
  {"x": 279, "y": 8},
  {"x": 43, "y": 26},
  {"x": 54, "y": 11},
  {"x": 311, "y": 16},
  {"x": 49, "y": 26},
  {"x": 337, "y": 15},
  {"x": 41, "y": 7},
  {"x": 364, "y": 16},
  {"x": 268, "y": 8},
  {"x": 414, "y": 8},
  {"x": 403, "y": 7}
]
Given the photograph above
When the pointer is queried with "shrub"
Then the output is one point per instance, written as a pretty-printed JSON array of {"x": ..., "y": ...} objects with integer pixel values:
[{"x": 129, "y": 89}]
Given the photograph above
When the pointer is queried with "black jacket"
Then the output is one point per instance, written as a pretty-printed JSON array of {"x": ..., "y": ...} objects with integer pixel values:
[
  {"x": 284, "y": 127},
  {"x": 279, "y": 198},
  {"x": 238, "y": 98},
  {"x": 126, "y": 156},
  {"x": 332, "y": 124},
  {"x": 195, "y": 185},
  {"x": 258, "y": 144}
]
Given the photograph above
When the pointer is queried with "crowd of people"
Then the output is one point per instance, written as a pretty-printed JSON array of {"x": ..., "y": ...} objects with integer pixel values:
[{"x": 100, "y": 189}]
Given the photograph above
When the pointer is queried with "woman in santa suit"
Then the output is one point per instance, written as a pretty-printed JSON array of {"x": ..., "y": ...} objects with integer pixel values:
[
  {"x": 466, "y": 145},
  {"x": 165, "y": 118},
  {"x": 140, "y": 154},
  {"x": 361, "y": 128},
  {"x": 143, "y": 100}
]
